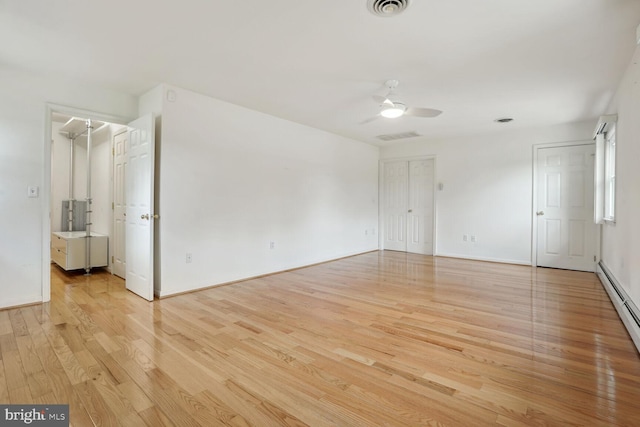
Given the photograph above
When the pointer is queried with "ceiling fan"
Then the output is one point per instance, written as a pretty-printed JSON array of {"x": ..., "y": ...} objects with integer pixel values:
[{"x": 391, "y": 107}]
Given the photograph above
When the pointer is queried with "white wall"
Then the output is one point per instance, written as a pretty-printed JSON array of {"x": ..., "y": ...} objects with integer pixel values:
[
  {"x": 24, "y": 240},
  {"x": 621, "y": 241},
  {"x": 233, "y": 179},
  {"x": 101, "y": 164},
  {"x": 101, "y": 181},
  {"x": 60, "y": 148},
  {"x": 488, "y": 184}
]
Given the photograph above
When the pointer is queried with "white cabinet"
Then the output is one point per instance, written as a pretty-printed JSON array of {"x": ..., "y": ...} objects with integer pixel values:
[{"x": 69, "y": 252}]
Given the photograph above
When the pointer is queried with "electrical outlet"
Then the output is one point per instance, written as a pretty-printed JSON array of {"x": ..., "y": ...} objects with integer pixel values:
[
  {"x": 189, "y": 258},
  {"x": 465, "y": 237},
  {"x": 473, "y": 239},
  {"x": 366, "y": 232},
  {"x": 272, "y": 245}
]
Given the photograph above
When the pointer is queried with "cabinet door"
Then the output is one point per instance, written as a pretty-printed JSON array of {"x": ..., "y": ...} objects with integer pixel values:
[
  {"x": 99, "y": 251},
  {"x": 76, "y": 253}
]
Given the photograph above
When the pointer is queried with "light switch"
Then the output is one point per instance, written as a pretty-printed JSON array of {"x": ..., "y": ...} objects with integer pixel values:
[{"x": 33, "y": 191}]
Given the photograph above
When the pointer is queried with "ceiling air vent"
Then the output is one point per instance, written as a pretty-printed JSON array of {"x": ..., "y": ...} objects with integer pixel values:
[
  {"x": 396, "y": 136},
  {"x": 387, "y": 8}
]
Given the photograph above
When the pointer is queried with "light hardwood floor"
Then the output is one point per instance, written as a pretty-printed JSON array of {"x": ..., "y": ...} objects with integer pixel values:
[{"x": 383, "y": 338}]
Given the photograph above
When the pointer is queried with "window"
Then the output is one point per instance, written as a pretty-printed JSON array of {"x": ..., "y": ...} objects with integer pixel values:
[
  {"x": 605, "y": 170},
  {"x": 610, "y": 175}
]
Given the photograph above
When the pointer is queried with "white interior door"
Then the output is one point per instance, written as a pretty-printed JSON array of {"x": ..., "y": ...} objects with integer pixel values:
[
  {"x": 566, "y": 233},
  {"x": 120, "y": 152},
  {"x": 139, "y": 211},
  {"x": 420, "y": 212},
  {"x": 396, "y": 184},
  {"x": 408, "y": 206}
]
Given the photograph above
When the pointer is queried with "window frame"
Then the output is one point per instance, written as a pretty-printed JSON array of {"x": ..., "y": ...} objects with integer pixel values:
[{"x": 609, "y": 178}]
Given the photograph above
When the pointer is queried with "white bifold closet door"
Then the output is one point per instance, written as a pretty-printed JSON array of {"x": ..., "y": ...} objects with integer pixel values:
[{"x": 408, "y": 206}]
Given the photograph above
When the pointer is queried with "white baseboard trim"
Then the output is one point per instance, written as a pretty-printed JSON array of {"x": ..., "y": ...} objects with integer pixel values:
[
  {"x": 18, "y": 302},
  {"x": 627, "y": 310},
  {"x": 175, "y": 292},
  {"x": 487, "y": 259}
]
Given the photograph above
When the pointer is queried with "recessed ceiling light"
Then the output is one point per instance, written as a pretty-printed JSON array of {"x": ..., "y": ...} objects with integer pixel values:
[{"x": 504, "y": 120}]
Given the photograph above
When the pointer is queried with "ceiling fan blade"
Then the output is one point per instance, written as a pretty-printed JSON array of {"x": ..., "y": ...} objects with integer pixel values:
[
  {"x": 422, "y": 112},
  {"x": 369, "y": 120}
]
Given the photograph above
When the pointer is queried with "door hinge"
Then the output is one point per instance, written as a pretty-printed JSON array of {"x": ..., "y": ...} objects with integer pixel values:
[
  {"x": 112, "y": 259},
  {"x": 113, "y": 151},
  {"x": 112, "y": 206},
  {"x": 594, "y": 258}
]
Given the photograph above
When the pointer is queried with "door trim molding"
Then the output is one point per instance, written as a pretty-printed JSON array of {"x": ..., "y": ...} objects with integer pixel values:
[
  {"x": 381, "y": 229},
  {"x": 534, "y": 194},
  {"x": 45, "y": 192}
]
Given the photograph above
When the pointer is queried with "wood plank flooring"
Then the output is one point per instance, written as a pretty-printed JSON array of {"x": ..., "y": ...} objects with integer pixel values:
[{"x": 380, "y": 339}]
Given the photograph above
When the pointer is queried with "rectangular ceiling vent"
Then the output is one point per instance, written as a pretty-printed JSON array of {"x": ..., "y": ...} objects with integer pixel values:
[{"x": 396, "y": 136}]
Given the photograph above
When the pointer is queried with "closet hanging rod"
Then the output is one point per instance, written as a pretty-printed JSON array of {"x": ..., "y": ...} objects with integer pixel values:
[
  {"x": 78, "y": 126},
  {"x": 72, "y": 135}
]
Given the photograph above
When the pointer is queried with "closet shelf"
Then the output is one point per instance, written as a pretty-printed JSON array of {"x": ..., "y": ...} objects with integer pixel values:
[{"x": 76, "y": 126}]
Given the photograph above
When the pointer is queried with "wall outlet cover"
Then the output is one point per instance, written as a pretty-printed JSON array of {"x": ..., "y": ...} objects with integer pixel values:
[{"x": 33, "y": 191}]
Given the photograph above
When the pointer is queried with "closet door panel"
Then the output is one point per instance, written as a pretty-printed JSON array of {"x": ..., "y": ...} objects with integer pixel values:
[
  {"x": 408, "y": 206},
  {"x": 395, "y": 205}
]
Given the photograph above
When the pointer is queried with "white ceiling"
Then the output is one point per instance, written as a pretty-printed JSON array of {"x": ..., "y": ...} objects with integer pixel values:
[{"x": 542, "y": 62}]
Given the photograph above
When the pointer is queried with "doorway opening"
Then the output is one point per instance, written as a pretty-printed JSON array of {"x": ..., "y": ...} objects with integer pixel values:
[
  {"x": 89, "y": 192},
  {"x": 83, "y": 191}
]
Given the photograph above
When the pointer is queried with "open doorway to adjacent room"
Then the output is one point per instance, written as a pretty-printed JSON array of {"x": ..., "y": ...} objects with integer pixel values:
[{"x": 92, "y": 192}]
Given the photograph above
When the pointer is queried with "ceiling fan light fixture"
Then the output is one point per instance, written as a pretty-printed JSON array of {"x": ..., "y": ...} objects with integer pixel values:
[{"x": 393, "y": 111}]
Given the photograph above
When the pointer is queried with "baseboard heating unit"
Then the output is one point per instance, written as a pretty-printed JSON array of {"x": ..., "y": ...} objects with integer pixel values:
[{"x": 627, "y": 310}]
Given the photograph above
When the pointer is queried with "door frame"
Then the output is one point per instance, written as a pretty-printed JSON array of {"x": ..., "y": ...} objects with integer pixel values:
[
  {"x": 534, "y": 200},
  {"x": 46, "y": 181},
  {"x": 381, "y": 229}
]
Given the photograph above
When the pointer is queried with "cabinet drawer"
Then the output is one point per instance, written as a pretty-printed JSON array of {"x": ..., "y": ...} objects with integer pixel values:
[
  {"x": 58, "y": 242},
  {"x": 68, "y": 249},
  {"x": 59, "y": 257}
]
